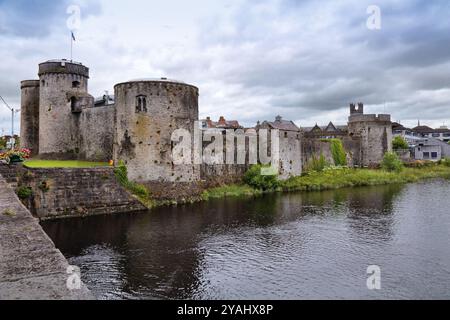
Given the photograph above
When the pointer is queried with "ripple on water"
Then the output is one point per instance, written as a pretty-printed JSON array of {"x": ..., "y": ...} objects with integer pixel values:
[{"x": 294, "y": 246}]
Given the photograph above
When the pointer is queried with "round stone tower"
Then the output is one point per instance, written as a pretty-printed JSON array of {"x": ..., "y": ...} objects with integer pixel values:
[
  {"x": 29, "y": 115},
  {"x": 147, "y": 113},
  {"x": 63, "y": 95}
]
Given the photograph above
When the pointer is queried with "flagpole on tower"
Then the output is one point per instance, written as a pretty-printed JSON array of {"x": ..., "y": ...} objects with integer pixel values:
[
  {"x": 71, "y": 46},
  {"x": 72, "y": 39}
]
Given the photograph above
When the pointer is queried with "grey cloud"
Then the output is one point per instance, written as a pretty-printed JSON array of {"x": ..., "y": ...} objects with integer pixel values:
[{"x": 37, "y": 18}]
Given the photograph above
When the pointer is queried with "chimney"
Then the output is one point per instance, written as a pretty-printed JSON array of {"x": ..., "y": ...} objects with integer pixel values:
[
  {"x": 222, "y": 121},
  {"x": 278, "y": 119},
  {"x": 209, "y": 122}
]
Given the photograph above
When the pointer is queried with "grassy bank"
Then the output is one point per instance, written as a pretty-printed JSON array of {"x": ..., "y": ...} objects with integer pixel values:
[
  {"x": 230, "y": 191},
  {"x": 337, "y": 178},
  {"x": 63, "y": 164},
  {"x": 344, "y": 178}
]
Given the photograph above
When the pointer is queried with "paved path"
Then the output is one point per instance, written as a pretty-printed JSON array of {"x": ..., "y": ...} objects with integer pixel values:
[{"x": 31, "y": 268}]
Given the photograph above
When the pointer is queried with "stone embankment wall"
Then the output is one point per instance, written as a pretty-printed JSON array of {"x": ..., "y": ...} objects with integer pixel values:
[
  {"x": 61, "y": 193},
  {"x": 31, "y": 268},
  {"x": 179, "y": 192}
]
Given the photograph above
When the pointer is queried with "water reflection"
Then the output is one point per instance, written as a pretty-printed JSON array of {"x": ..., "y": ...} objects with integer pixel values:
[{"x": 302, "y": 245}]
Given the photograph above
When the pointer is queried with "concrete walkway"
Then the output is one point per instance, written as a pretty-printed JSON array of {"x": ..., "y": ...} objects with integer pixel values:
[{"x": 31, "y": 268}]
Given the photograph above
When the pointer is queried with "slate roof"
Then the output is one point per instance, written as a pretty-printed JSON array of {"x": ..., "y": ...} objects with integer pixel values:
[
  {"x": 284, "y": 125},
  {"x": 423, "y": 129}
]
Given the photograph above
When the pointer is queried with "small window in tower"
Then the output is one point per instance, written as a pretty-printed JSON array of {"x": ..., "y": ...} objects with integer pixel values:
[
  {"x": 285, "y": 134},
  {"x": 75, "y": 105},
  {"x": 141, "y": 103},
  {"x": 76, "y": 84}
]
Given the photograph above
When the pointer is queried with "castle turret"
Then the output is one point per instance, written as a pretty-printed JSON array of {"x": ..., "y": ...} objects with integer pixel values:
[
  {"x": 147, "y": 113},
  {"x": 63, "y": 95},
  {"x": 374, "y": 131},
  {"x": 355, "y": 110},
  {"x": 29, "y": 115}
]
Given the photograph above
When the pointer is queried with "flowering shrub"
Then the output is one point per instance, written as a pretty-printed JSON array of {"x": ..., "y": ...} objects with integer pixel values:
[{"x": 22, "y": 154}]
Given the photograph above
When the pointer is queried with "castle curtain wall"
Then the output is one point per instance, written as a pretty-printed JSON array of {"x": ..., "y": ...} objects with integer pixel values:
[{"x": 97, "y": 133}]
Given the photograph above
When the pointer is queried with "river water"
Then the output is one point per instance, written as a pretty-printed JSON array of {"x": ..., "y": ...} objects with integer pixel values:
[{"x": 283, "y": 246}]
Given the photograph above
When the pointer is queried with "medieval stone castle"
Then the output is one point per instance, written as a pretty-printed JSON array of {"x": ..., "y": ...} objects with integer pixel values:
[{"x": 61, "y": 120}]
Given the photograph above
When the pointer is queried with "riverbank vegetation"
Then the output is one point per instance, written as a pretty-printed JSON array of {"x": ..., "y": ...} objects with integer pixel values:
[
  {"x": 342, "y": 177},
  {"x": 138, "y": 190}
]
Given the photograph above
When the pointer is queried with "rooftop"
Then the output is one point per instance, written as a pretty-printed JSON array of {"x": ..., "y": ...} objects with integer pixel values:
[
  {"x": 281, "y": 124},
  {"x": 63, "y": 61},
  {"x": 156, "y": 79}
]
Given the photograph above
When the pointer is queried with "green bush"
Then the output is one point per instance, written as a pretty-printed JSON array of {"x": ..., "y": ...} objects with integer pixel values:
[
  {"x": 317, "y": 163},
  {"x": 399, "y": 143},
  {"x": 258, "y": 179},
  {"x": 2, "y": 143},
  {"x": 121, "y": 173},
  {"x": 338, "y": 152},
  {"x": 391, "y": 162},
  {"x": 445, "y": 162},
  {"x": 24, "y": 193}
]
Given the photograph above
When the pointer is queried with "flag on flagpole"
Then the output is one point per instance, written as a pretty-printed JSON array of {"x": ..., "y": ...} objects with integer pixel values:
[{"x": 73, "y": 36}]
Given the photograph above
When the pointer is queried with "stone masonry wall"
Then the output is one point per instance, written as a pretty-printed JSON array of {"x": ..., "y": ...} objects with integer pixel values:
[
  {"x": 59, "y": 126},
  {"x": 31, "y": 268},
  {"x": 315, "y": 147},
  {"x": 97, "y": 133},
  {"x": 147, "y": 113},
  {"x": 29, "y": 116},
  {"x": 60, "y": 193}
]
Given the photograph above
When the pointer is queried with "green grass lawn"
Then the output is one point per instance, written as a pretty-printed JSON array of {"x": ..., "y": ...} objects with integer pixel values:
[
  {"x": 335, "y": 179},
  {"x": 63, "y": 164}
]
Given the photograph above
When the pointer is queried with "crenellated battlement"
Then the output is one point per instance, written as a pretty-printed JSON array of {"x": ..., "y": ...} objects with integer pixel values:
[
  {"x": 369, "y": 118},
  {"x": 63, "y": 66}
]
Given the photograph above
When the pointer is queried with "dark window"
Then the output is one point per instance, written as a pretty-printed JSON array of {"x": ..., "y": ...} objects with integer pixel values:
[
  {"x": 285, "y": 134},
  {"x": 434, "y": 155},
  {"x": 436, "y": 135},
  {"x": 426, "y": 155},
  {"x": 446, "y": 134},
  {"x": 76, "y": 84},
  {"x": 141, "y": 103},
  {"x": 75, "y": 106}
]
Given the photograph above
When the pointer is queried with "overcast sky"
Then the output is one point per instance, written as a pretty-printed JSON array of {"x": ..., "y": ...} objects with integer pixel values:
[{"x": 252, "y": 60}]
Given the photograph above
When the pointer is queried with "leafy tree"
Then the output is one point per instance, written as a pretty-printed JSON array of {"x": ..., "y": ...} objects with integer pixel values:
[{"x": 399, "y": 143}]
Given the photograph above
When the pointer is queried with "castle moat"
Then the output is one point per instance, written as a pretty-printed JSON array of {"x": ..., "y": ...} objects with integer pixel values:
[{"x": 278, "y": 246}]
